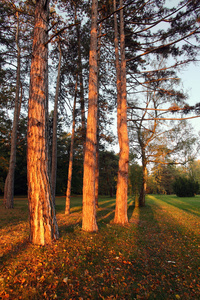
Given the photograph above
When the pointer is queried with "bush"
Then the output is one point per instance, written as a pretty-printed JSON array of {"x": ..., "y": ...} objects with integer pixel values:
[{"x": 185, "y": 187}]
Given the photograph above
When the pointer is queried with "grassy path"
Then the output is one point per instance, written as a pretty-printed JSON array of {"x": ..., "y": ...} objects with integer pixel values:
[{"x": 156, "y": 256}]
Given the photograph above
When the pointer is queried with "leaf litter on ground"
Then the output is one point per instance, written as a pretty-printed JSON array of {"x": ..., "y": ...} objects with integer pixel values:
[{"x": 156, "y": 256}]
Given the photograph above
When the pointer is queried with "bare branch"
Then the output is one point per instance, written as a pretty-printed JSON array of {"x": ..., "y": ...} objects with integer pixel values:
[
  {"x": 172, "y": 66},
  {"x": 167, "y": 119},
  {"x": 170, "y": 109},
  {"x": 163, "y": 46}
]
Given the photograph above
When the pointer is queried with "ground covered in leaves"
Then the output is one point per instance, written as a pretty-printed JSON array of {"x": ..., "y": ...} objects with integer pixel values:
[{"x": 156, "y": 256}]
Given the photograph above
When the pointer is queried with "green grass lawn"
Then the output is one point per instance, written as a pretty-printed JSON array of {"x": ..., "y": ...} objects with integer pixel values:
[{"x": 156, "y": 256}]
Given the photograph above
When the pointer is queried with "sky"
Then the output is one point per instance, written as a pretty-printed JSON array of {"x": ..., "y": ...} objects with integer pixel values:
[
  {"x": 189, "y": 81},
  {"x": 191, "y": 84}
]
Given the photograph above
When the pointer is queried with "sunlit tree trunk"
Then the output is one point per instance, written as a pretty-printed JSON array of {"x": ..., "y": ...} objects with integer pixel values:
[
  {"x": 43, "y": 224},
  {"x": 70, "y": 168},
  {"x": 89, "y": 209},
  {"x": 9, "y": 183},
  {"x": 97, "y": 147},
  {"x": 55, "y": 121},
  {"x": 122, "y": 180}
]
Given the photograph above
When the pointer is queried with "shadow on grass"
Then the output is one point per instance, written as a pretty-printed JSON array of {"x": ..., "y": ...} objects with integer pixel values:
[
  {"x": 118, "y": 262},
  {"x": 106, "y": 211},
  {"x": 131, "y": 207},
  {"x": 151, "y": 255},
  {"x": 68, "y": 224},
  {"x": 189, "y": 205},
  {"x": 104, "y": 217},
  {"x": 164, "y": 249},
  {"x": 67, "y": 229},
  {"x": 17, "y": 248},
  {"x": 75, "y": 204},
  {"x": 12, "y": 217},
  {"x": 105, "y": 214}
]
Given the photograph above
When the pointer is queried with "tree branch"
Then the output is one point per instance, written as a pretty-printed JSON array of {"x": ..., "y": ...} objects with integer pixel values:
[
  {"x": 167, "y": 119},
  {"x": 163, "y": 46},
  {"x": 170, "y": 109},
  {"x": 117, "y": 10},
  {"x": 60, "y": 31}
]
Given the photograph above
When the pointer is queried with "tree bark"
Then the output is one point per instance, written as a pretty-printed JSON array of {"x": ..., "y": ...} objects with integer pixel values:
[
  {"x": 55, "y": 121},
  {"x": 98, "y": 137},
  {"x": 43, "y": 224},
  {"x": 69, "y": 180},
  {"x": 122, "y": 181},
  {"x": 97, "y": 165},
  {"x": 9, "y": 183},
  {"x": 144, "y": 181},
  {"x": 89, "y": 209},
  {"x": 118, "y": 73},
  {"x": 80, "y": 69}
]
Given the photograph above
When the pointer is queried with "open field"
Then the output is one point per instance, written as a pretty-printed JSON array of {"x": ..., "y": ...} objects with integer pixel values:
[{"x": 156, "y": 256}]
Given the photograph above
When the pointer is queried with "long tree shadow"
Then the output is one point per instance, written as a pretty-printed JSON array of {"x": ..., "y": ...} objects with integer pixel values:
[
  {"x": 105, "y": 215},
  {"x": 187, "y": 223},
  {"x": 183, "y": 204},
  {"x": 131, "y": 207},
  {"x": 161, "y": 252},
  {"x": 16, "y": 249},
  {"x": 12, "y": 217},
  {"x": 74, "y": 221},
  {"x": 75, "y": 204},
  {"x": 150, "y": 256},
  {"x": 14, "y": 230},
  {"x": 105, "y": 211}
]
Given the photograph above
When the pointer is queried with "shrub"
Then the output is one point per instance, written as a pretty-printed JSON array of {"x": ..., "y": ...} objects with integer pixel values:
[{"x": 185, "y": 187}]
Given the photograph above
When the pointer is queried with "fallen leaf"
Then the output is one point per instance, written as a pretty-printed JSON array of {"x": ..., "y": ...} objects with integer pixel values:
[{"x": 65, "y": 280}]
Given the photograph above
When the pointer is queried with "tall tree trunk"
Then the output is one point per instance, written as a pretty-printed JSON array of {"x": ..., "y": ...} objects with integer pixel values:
[
  {"x": 97, "y": 147},
  {"x": 43, "y": 224},
  {"x": 89, "y": 208},
  {"x": 97, "y": 164},
  {"x": 9, "y": 183},
  {"x": 55, "y": 121},
  {"x": 69, "y": 180},
  {"x": 118, "y": 73},
  {"x": 122, "y": 181},
  {"x": 144, "y": 181},
  {"x": 80, "y": 69}
]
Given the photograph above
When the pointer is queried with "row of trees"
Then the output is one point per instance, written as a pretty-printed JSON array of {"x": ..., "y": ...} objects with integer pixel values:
[
  {"x": 108, "y": 161},
  {"x": 160, "y": 177},
  {"x": 130, "y": 53}
]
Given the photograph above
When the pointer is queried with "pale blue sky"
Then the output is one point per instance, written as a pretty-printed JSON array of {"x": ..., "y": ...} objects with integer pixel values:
[{"x": 191, "y": 84}]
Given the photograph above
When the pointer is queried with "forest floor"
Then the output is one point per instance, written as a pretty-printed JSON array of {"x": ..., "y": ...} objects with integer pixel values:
[{"x": 155, "y": 256}]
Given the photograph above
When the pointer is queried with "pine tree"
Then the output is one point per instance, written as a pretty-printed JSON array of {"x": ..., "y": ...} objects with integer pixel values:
[
  {"x": 121, "y": 216},
  {"x": 43, "y": 224},
  {"x": 89, "y": 208}
]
